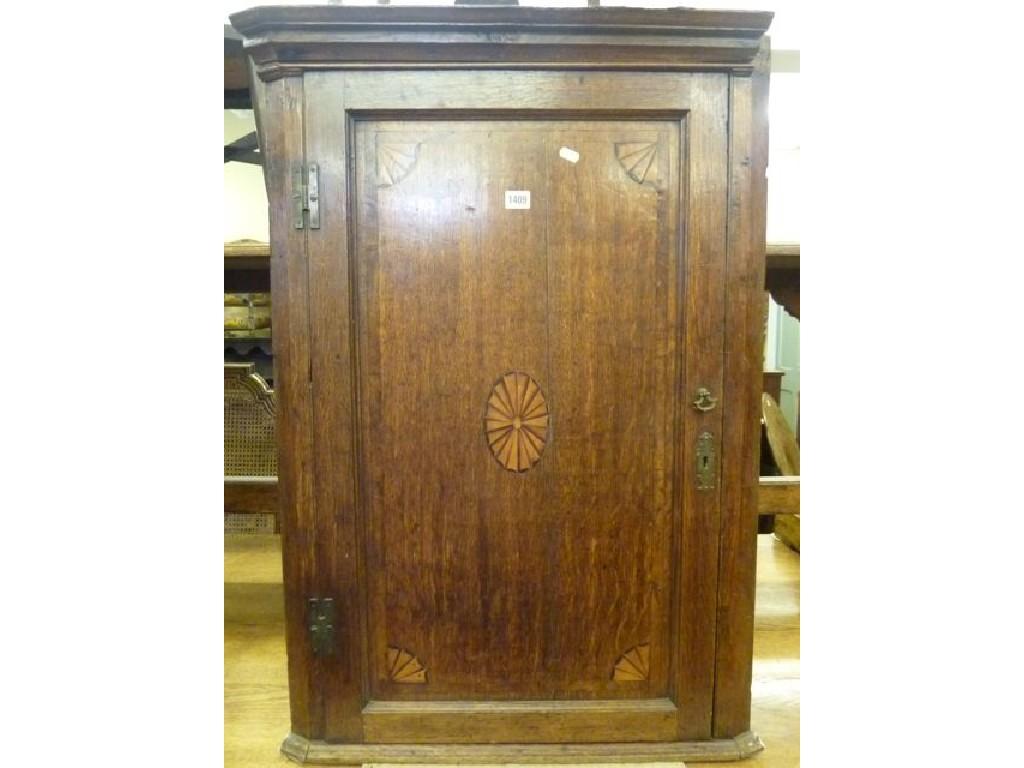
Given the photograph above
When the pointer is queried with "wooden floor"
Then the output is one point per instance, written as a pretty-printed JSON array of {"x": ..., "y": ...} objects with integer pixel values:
[{"x": 256, "y": 683}]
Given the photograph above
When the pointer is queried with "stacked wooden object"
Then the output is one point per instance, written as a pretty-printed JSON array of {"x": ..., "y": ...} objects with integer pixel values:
[{"x": 246, "y": 315}]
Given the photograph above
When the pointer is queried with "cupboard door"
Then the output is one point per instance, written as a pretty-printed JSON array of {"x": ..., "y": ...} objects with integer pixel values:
[{"x": 518, "y": 330}]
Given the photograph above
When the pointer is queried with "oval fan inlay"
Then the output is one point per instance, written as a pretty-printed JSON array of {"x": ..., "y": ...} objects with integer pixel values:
[{"x": 516, "y": 422}]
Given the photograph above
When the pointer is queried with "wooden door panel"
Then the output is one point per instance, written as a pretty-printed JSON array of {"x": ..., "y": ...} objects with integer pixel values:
[
  {"x": 550, "y": 578},
  {"x": 453, "y": 295},
  {"x": 613, "y": 269}
]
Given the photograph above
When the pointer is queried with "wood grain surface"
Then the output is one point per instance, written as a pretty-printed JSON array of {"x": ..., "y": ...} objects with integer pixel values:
[{"x": 536, "y": 584}]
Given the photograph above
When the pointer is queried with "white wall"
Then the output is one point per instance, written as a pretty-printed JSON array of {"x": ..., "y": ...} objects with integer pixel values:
[
  {"x": 784, "y": 207},
  {"x": 245, "y": 198}
]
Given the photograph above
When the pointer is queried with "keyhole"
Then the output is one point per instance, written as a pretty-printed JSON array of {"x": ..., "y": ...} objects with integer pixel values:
[{"x": 703, "y": 462}]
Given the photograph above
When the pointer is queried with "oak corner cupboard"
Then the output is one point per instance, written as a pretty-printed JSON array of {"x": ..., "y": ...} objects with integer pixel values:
[{"x": 517, "y": 266}]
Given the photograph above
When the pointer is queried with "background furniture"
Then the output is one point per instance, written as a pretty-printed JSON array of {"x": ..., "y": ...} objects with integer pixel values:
[
  {"x": 236, "y": 72},
  {"x": 782, "y": 275},
  {"x": 782, "y": 283},
  {"x": 781, "y": 496},
  {"x": 773, "y": 383},
  {"x": 247, "y": 274},
  {"x": 250, "y": 452},
  {"x": 518, "y": 427}
]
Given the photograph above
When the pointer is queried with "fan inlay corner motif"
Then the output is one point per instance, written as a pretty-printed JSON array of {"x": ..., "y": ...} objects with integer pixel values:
[
  {"x": 637, "y": 159},
  {"x": 634, "y": 664},
  {"x": 405, "y": 668}
]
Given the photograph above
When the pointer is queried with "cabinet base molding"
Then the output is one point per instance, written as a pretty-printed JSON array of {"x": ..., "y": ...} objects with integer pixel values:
[{"x": 313, "y": 752}]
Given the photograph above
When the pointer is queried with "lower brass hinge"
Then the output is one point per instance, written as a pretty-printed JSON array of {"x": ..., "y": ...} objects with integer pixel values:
[
  {"x": 320, "y": 619},
  {"x": 306, "y": 195}
]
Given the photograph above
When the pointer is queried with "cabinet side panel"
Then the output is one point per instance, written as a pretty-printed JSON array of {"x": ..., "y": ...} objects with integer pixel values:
[
  {"x": 279, "y": 109},
  {"x": 743, "y": 363},
  {"x": 340, "y": 674}
]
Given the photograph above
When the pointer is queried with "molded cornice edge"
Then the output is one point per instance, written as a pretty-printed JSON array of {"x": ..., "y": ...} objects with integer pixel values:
[{"x": 289, "y": 40}]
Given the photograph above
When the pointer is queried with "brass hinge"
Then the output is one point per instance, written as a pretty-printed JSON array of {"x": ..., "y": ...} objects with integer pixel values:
[
  {"x": 320, "y": 618},
  {"x": 306, "y": 195}
]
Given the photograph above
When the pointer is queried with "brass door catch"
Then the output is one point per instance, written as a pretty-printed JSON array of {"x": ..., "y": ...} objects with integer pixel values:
[{"x": 704, "y": 402}]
